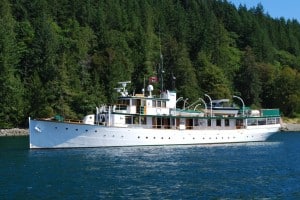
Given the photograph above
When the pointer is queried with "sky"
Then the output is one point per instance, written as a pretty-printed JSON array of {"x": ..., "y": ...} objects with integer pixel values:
[{"x": 289, "y": 9}]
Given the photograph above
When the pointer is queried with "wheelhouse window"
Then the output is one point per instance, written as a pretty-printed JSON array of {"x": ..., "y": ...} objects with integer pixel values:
[{"x": 122, "y": 104}]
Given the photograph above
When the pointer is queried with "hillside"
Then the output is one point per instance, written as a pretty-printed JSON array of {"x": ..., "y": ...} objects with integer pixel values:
[{"x": 65, "y": 57}]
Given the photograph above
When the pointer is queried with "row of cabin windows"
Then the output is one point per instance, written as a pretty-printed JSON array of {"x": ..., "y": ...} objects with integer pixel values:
[
  {"x": 190, "y": 122},
  {"x": 155, "y": 103},
  {"x": 142, "y": 120},
  {"x": 159, "y": 104},
  {"x": 219, "y": 122}
]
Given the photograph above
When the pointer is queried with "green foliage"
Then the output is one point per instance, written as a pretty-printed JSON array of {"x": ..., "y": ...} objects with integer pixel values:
[
  {"x": 66, "y": 57},
  {"x": 248, "y": 81},
  {"x": 12, "y": 91},
  {"x": 212, "y": 79},
  {"x": 179, "y": 65},
  {"x": 288, "y": 97}
]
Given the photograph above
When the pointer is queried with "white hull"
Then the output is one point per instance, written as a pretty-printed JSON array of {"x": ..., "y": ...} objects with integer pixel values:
[{"x": 51, "y": 134}]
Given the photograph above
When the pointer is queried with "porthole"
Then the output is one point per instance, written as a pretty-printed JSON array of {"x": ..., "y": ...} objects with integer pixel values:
[
  {"x": 162, "y": 138},
  {"x": 67, "y": 128},
  {"x": 193, "y": 138},
  {"x": 55, "y": 127},
  {"x": 104, "y": 135},
  {"x": 139, "y": 137},
  {"x": 169, "y": 138},
  {"x": 96, "y": 131},
  {"x": 154, "y": 138},
  {"x": 86, "y": 130},
  {"x": 113, "y": 136},
  {"x": 76, "y": 129},
  {"x": 146, "y": 137},
  {"x": 210, "y": 138}
]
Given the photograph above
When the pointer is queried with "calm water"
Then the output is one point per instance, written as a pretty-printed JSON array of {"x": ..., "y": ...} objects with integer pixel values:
[{"x": 269, "y": 170}]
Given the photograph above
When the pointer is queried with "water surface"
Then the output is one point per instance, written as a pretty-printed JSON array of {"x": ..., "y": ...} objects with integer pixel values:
[{"x": 269, "y": 170}]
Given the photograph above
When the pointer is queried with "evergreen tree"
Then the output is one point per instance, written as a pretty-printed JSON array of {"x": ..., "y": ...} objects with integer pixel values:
[
  {"x": 179, "y": 66},
  {"x": 12, "y": 91},
  {"x": 212, "y": 78},
  {"x": 248, "y": 82}
]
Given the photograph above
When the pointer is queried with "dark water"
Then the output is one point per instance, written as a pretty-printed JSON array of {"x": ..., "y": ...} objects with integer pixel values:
[{"x": 268, "y": 170}]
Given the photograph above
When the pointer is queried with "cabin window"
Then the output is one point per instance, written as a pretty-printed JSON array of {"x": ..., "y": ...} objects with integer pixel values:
[
  {"x": 189, "y": 123},
  {"x": 143, "y": 103},
  {"x": 201, "y": 122},
  {"x": 196, "y": 123},
  {"x": 143, "y": 120},
  {"x": 163, "y": 104},
  {"x": 226, "y": 122},
  {"x": 158, "y": 104},
  {"x": 153, "y": 103},
  {"x": 271, "y": 121},
  {"x": 133, "y": 102},
  {"x": 262, "y": 121},
  {"x": 158, "y": 122},
  {"x": 218, "y": 122},
  {"x": 239, "y": 122},
  {"x": 128, "y": 119},
  {"x": 209, "y": 122},
  {"x": 135, "y": 120},
  {"x": 251, "y": 122}
]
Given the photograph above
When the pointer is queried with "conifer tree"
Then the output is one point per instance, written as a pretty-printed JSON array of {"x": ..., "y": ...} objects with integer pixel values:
[
  {"x": 12, "y": 91},
  {"x": 247, "y": 81}
]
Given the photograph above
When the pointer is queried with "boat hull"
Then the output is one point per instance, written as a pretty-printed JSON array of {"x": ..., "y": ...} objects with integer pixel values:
[{"x": 52, "y": 134}]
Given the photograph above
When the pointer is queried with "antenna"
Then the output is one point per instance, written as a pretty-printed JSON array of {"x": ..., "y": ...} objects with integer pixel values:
[
  {"x": 124, "y": 83},
  {"x": 123, "y": 90}
]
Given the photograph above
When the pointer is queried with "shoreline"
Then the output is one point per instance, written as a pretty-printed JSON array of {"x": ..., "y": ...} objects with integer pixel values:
[
  {"x": 291, "y": 127},
  {"x": 14, "y": 132},
  {"x": 286, "y": 127}
]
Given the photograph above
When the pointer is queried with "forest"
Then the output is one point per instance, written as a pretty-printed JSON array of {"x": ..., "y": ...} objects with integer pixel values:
[{"x": 66, "y": 56}]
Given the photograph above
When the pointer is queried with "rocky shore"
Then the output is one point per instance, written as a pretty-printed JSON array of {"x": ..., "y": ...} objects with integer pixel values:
[
  {"x": 24, "y": 132},
  {"x": 290, "y": 127},
  {"x": 14, "y": 132}
]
